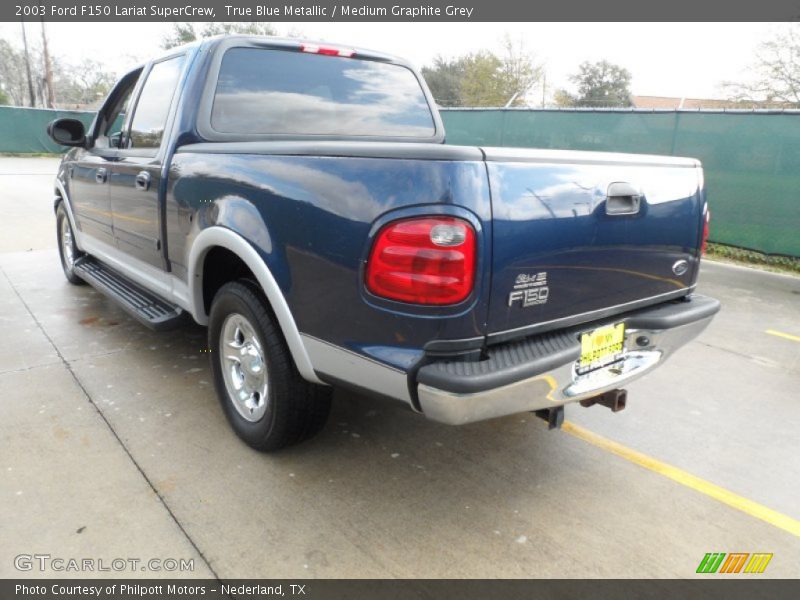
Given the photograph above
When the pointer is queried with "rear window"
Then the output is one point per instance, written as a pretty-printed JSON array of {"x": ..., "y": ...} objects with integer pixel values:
[{"x": 263, "y": 91}]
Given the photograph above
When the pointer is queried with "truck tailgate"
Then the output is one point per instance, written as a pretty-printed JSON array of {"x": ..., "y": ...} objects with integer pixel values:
[{"x": 581, "y": 235}]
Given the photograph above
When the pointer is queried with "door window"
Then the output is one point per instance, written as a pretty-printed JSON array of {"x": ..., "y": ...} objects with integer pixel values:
[
  {"x": 150, "y": 117},
  {"x": 116, "y": 119}
]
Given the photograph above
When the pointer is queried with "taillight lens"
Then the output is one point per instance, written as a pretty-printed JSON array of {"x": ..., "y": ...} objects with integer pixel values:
[
  {"x": 706, "y": 221},
  {"x": 427, "y": 260}
]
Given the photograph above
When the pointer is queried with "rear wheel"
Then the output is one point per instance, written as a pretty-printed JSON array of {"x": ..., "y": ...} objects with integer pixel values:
[
  {"x": 67, "y": 249},
  {"x": 265, "y": 399}
]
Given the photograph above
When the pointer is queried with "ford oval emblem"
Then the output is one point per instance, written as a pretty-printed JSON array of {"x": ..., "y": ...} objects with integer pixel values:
[{"x": 680, "y": 267}]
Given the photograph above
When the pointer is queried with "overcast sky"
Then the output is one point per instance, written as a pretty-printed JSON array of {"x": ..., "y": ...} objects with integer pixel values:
[{"x": 665, "y": 59}]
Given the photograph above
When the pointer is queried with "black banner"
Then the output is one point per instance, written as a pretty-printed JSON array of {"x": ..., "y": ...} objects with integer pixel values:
[
  {"x": 464, "y": 589},
  {"x": 399, "y": 10}
]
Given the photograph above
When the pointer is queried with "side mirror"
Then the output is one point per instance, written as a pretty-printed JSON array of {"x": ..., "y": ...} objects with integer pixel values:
[
  {"x": 67, "y": 132},
  {"x": 115, "y": 140}
]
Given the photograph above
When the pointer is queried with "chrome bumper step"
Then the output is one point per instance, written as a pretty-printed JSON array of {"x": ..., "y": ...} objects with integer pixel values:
[{"x": 540, "y": 373}]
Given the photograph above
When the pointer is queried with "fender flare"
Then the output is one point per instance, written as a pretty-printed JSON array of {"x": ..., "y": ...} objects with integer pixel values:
[
  {"x": 217, "y": 236},
  {"x": 68, "y": 208}
]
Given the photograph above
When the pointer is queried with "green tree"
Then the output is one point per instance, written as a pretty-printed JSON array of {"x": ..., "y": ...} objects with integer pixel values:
[
  {"x": 599, "y": 84},
  {"x": 482, "y": 85},
  {"x": 519, "y": 71},
  {"x": 776, "y": 73},
  {"x": 483, "y": 78},
  {"x": 444, "y": 79},
  {"x": 564, "y": 99},
  {"x": 5, "y": 99},
  {"x": 183, "y": 33}
]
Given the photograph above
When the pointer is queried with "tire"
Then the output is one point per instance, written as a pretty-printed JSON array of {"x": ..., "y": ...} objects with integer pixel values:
[
  {"x": 67, "y": 249},
  {"x": 267, "y": 402}
]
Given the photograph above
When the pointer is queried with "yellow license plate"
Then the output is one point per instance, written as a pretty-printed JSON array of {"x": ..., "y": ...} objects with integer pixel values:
[{"x": 602, "y": 346}]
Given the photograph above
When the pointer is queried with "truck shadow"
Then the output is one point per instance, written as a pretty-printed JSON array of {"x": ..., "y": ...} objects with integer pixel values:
[{"x": 379, "y": 492}]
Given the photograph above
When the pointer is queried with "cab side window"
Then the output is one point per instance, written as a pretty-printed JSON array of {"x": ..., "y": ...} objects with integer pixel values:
[{"x": 152, "y": 108}]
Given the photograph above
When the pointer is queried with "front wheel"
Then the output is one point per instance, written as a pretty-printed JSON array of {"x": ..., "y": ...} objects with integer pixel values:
[
  {"x": 265, "y": 399},
  {"x": 67, "y": 249}
]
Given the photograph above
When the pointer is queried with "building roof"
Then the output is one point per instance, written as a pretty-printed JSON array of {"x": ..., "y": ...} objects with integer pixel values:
[{"x": 673, "y": 103}]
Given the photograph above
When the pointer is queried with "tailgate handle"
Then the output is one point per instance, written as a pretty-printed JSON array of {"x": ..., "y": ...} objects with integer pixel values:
[{"x": 622, "y": 199}]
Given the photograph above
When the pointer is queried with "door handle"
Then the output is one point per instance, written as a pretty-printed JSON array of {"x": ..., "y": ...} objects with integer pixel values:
[
  {"x": 622, "y": 199},
  {"x": 101, "y": 175},
  {"x": 143, "y": 181}
]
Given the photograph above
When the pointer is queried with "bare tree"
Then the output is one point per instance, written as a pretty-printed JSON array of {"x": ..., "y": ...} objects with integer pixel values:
[
  {"x": 82, "y": 85},
  {"x": 76, "y": 85},
  {"x": 27, "y": 59},
  {"x": 48, "y": 70},
  {"x": 13, "y": 79},
  {"x": 776, "y": 72}
]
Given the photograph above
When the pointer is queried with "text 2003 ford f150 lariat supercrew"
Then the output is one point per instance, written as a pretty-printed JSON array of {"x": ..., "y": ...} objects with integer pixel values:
[{"x": 299, "y": 200}]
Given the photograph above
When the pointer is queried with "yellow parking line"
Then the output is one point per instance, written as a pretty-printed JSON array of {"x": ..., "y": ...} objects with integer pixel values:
[
  {"x": 754, "y": 509},
  {"x": 787, "y": 336}
]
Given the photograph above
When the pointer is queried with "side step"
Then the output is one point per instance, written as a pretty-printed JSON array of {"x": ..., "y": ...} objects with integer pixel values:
[{"x": 141, "y": 304}]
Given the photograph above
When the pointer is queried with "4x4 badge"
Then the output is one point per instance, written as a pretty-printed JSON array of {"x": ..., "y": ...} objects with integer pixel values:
[{"x": 530, "y": 290}]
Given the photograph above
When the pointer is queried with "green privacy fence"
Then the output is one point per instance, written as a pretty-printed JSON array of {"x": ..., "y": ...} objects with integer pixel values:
[
  {"x": 751, "y": 159},
  {"x": 25, "y": 129}
]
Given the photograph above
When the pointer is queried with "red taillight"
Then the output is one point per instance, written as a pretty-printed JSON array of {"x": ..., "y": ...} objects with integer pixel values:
[
  {"x": 706, "y": 220},
  {"x": 427, "y": 260},
  {"x": 326, "y": 50}
]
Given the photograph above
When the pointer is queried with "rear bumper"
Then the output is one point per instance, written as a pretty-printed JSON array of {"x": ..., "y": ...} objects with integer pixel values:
[{"x": 539, "y": 372}]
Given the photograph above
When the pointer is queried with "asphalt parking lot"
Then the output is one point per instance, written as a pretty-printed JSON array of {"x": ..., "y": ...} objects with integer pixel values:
[{"x": 112, "y": 445}]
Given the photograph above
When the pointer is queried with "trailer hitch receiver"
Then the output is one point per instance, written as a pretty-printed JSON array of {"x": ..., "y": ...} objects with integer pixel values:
[{"x": 613, "y": 399}]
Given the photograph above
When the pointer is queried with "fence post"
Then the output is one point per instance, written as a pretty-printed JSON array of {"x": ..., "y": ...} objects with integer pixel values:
[{"x": 674, "y": 132}]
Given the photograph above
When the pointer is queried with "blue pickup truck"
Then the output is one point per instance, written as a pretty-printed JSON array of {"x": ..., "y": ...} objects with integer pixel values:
[{"x": 299, "y": 200}]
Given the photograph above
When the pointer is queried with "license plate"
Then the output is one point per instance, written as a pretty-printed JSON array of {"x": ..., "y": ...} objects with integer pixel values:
[{"x": 601, "y": 346}]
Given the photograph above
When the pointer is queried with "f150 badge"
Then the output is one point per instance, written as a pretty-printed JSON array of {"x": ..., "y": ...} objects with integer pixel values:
[{"x": 529, "y": 290}]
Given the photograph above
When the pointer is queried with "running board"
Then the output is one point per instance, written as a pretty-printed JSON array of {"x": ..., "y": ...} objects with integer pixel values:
[{"x": 141, "y": 304}]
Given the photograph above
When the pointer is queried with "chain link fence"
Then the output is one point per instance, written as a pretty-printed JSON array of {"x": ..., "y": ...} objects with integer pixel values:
[{"x": 751, "y": 158}]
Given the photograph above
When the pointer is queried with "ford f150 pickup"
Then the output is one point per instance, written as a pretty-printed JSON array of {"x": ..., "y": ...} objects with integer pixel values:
[{"x": 299, "y": 200}]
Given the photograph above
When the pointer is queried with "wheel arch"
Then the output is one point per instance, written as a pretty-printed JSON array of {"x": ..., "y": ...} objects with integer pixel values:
[{"x": 221, "y": 237}]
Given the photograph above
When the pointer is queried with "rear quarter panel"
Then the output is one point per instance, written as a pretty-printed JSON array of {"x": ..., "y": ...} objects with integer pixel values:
[{"x": 312, "y": 220}]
